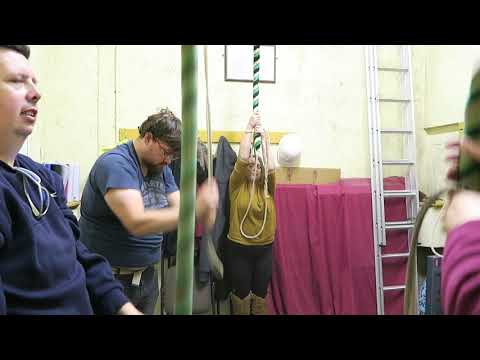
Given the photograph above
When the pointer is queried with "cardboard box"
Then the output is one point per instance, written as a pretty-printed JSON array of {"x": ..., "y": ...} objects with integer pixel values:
[{"x": 300, "y": 175}]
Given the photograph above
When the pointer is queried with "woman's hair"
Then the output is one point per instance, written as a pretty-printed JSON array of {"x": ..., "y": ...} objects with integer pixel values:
[{"x": 262, "y": 166}]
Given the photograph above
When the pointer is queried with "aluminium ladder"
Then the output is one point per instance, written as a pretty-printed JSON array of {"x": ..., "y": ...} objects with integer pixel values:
[{"x": 404, "y": 102}]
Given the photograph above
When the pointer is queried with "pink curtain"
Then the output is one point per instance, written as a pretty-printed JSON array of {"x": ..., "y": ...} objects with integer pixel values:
[{"x": 324, "y": 253}]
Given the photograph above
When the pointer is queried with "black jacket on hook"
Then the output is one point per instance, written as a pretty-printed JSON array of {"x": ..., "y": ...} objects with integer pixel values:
[{"x": 224, "y": 163}]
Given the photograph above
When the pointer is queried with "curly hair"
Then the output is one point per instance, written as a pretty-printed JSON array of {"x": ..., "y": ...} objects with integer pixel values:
[
  {"x": 163, "y": 126},
  {"x": 22, "y": 49}
]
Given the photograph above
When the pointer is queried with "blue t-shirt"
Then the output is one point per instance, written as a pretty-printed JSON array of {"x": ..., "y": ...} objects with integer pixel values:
[
  {"x": 100, "y": 228},
  {"x": 44, "y": 269}
]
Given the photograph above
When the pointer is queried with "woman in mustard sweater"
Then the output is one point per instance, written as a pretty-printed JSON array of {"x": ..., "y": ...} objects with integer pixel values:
[{"x": 252, "y": 223}]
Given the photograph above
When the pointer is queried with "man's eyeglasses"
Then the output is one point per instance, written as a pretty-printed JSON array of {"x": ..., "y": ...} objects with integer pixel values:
[{"x": 168, "y": 152}]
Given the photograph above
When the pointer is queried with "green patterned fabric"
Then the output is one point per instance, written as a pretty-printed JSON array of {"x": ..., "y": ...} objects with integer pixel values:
[{"x": 469, "y": 169}]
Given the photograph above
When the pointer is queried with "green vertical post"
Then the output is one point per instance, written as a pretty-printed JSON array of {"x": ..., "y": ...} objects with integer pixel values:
[{"x": 188, "y": 180}]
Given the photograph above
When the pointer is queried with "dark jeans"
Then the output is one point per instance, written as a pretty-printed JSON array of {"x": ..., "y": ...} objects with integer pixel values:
[
  {"x": 250, "y": 268},
  {"x": 145, "y": 296}
]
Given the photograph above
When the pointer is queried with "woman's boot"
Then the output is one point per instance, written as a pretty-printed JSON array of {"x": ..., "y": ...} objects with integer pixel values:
[
  {"x": 240, "y": 306},
  {"x": 259, "y": 305}
]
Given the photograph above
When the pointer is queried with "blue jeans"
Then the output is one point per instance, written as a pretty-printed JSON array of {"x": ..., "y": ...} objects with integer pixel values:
[{"x": 145, "y": 296}]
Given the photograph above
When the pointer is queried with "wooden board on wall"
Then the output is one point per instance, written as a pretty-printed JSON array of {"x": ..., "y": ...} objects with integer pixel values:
[
  {"x": 444, "y": 129},
  {"x": 233, "y": 137},
  {"x": 300, "y": 175}
]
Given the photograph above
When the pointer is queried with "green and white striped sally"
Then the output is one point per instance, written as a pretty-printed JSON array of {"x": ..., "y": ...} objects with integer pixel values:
[
  {"x": 257, "y": 141},
  {"x": 256, "y": 146},
  {"x": 256, "y": 76}
]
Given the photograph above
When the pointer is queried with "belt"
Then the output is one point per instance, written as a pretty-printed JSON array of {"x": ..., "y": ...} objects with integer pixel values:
[{"x": 137, "y": 273}]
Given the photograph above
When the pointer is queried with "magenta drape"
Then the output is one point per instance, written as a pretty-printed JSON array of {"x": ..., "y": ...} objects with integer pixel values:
[{"x": 324, "y": 252}]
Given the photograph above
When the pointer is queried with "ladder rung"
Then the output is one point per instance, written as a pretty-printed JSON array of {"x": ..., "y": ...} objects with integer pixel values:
[
  {"x": 394, "y": 100},
  {"x": 394, "y": 225},
  {"x": 396, "y": 131},
  {"x": 392, "y": 69},
  {"x": 397, "y": 287},
  {"x": 397, "y": 255},
  {"x": 398, "y": 193},
  {"x": 398, "y": 162}
]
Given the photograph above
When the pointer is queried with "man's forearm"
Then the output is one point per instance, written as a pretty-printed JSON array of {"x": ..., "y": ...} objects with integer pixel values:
[
  {"x": 154, "y": 221},
  {"x": 245, "y": 142}
]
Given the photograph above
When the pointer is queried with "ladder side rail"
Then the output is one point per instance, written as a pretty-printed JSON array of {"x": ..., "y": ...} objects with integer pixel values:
[
  {"x": 374, "y": 181},
  {"x": 378, "y": 137}
]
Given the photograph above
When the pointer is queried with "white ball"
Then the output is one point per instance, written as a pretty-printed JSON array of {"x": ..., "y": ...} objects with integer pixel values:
[{"x": 289, "y": 151}]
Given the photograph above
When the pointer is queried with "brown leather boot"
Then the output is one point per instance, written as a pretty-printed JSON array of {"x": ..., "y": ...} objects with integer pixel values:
[
  {"x": 259, "y": 305},
  {"x": 240, "y": 306}
]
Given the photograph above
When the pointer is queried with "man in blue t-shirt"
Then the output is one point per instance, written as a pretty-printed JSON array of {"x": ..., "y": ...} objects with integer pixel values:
[
  {"x": 44, "y": 269},
  {"x": 130, "y": 199}
]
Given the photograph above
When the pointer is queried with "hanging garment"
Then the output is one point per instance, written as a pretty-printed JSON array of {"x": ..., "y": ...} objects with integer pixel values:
[{"x": 225, "y": 159}]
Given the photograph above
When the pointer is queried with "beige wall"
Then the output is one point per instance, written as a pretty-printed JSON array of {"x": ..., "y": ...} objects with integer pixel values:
[
  {"x": 319, "y": 94},
  {"x": 89, "y": 92},
  {"x": 68, "y": 118},
  {"x": 447, "y": 83},
  {"x": 92, "y": 91}
]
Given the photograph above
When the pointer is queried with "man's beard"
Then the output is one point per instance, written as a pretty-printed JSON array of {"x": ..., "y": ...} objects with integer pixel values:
[{"x": 155, "y": 169}]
